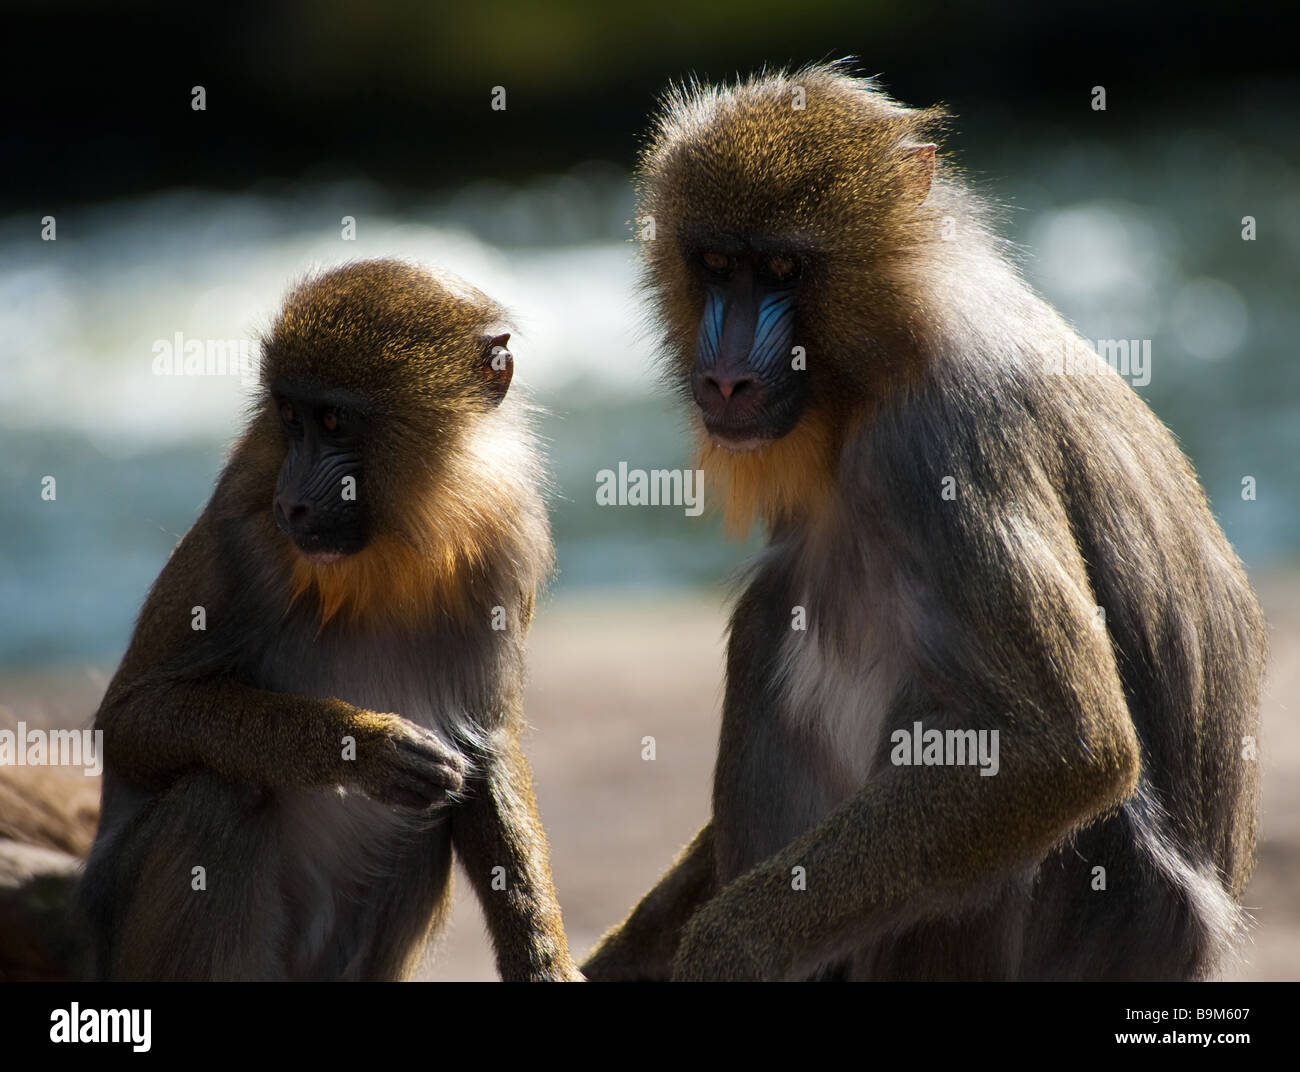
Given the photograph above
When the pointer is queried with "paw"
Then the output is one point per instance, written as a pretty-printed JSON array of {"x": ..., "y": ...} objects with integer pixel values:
[{"x": 407, "y": 766}]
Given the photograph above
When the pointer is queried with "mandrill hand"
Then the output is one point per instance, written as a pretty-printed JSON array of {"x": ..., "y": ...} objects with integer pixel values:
[{"x": 403, "y": 764}]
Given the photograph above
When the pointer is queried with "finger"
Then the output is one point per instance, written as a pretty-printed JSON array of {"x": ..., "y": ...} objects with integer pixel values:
[
  {"x": 432, "y": 749},
  {"x": 435, "y": 769},
  {"x": 401, "y": 797},
  {"x": 417, "y": 793}
]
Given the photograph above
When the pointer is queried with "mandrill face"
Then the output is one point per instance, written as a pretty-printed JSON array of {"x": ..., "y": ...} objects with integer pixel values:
[
  {"x": 746, "y": 379},
  {"x": 784, "y": 223},
  {"x": 316, "y": 502}
]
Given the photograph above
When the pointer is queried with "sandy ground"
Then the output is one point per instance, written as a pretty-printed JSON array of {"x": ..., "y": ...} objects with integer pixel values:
[{"x": 606, "y": 675}]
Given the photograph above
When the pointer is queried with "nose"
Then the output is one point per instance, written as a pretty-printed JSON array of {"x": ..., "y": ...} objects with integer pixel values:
[
  {"x": 726, "y": 386},
  {"x": 290, "y": 513}
]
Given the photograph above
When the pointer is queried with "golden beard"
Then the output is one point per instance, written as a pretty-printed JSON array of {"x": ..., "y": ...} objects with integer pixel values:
[
  {"x": 784, "y": 479},
  {"x": 467, "y": 523},
  {"x": 389, "y": 578}
]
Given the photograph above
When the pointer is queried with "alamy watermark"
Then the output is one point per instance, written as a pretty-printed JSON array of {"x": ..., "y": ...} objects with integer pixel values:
[
  {"x": 179, "y": 356},
  {"x": 919, "y": 747},
  {"x": 75, "y": 1024},
  {"x": 654, "y": 487},
  {"x": 24, "y": 747},
  {"x": 1131, "y": 358}
]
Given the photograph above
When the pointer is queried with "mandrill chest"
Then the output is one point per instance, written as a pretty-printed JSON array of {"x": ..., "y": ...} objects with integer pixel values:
[
  {"x": 434, "y": 678},
  {"x": 836, "y": 697},
  {"x": 340, "y": 849},
  {"x": 815, "y": 672},
  {"x": 842, "y": 660},
  {"x": 421, "y": 676}
]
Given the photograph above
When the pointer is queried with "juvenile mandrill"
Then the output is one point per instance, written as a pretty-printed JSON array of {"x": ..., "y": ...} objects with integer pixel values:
[
  {"x": 978, "y": 535},
  {"x": 323, "y": 694}
]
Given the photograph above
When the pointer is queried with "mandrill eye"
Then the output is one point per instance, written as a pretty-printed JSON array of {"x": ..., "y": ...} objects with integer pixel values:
[
  {"x": 782, "y": 269},
  {"x": 287, "y": 414},
  {"x": 330, "y": 420},
  {"x": 714, "y": 261}
]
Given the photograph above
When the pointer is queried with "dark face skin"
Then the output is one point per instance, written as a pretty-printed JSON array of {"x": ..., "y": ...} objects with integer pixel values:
[
  {"x": 743, "y": 381},
  {"x": 315, "y": 505}
]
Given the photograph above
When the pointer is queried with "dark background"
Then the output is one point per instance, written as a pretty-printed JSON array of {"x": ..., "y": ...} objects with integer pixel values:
[{"x": 97, "y": 96}]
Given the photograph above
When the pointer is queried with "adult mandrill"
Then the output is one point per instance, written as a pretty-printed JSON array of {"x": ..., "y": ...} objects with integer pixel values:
[
  {"x": 323, "y": 694},
  {"x": 983, "y": 529}
]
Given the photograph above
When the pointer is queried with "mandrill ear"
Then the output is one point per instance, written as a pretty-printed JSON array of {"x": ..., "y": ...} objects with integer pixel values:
[
  {"x": 919, "y": 169},
  {"x": 496, "y": 367}
]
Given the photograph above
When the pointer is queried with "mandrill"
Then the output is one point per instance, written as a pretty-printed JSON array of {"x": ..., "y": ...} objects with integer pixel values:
[
  {"x": 324, "y": 691},
  {"x": 978, "y": 535}
]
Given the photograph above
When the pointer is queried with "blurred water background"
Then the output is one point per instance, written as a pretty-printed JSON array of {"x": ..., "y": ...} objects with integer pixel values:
[{"x": 1132, "y": 230}]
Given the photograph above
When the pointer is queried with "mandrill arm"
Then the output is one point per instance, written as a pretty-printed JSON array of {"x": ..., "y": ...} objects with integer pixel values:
[
  {"x": 157, "y": 725},
  {"x": 497, "y": 826},
  {"x": 939, "y": 836}
]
